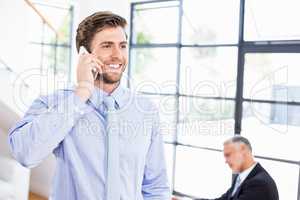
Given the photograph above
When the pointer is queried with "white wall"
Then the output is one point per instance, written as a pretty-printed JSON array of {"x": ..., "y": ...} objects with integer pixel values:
[
  {"x": 4, "y": 150},
  {"x": 41, "y": 176},
  {"x": 13, "y": 32}
]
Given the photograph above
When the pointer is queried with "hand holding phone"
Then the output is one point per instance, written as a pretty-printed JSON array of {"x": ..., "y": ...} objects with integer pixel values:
[
  {"x": 83, "y": 51},
  {"x": 88, "y": 68}
]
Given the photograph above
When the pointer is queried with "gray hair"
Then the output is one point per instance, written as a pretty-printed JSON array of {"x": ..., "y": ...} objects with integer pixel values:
[{"x": 239, "y": 139}]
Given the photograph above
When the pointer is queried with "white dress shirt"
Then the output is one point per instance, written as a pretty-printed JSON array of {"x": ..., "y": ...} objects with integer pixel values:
[{"x": 243, "y": 175}]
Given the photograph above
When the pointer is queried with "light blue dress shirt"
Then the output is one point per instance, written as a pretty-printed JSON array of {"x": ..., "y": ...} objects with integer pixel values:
[{"x": 75, "y": 132}]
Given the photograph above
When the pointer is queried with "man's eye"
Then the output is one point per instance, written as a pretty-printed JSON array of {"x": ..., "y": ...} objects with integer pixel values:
[
  {"x": 105, "y": 46},
  {"x": 123, "y": 46}
]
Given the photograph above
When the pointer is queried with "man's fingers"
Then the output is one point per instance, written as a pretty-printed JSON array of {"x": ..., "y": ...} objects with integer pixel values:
[
  {"x": 84, "y": 53},
  {"x": 82, "y": 50},
  {"x": 99, "y": 64},
  {"x": 90, "y": 60},
  {"x": 97, "y": 60},
  {"x": 95, "y": 67}
]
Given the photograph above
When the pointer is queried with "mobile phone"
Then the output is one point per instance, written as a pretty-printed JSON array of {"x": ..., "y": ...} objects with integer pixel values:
[{"x": 82, "y": 51}]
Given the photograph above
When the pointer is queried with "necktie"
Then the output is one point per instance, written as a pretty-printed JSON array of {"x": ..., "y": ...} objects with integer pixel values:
[
  {"x": 113, "y": 168},
  {"x": 236, "y": 185}
]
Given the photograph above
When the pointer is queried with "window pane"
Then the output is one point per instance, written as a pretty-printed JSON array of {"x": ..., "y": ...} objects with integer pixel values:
[
  {"x": 280, "y": 22},
  {"x": 205, "y": 122},
  {"x": 48, "y": 57},
  {"x": 62, "y": 59},
  {"x": 198, "y": 173},
  {"x": 272, "y": 76},
  {"x": 169, "y": 161},
  {"x": 204, "y": 21},
  {"x": 48, "y": 36},
  {"x": 167, "y": 112},
  {"x": 154, "y": 69},
  {"x": 209, "y": 71},
  {"x": 156, "y": 23},
  {"x": 59, "y": 19},
  {"x": 286, "y": 177},
  {"x": 270, "y": 127}
]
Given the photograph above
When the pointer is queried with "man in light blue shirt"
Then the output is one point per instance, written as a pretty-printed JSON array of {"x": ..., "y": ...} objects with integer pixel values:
[{"x": 72, "y": 124}]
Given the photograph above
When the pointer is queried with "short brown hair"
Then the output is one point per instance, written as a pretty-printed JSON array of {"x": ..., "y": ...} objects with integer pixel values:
[{"x": 95, "y": 23}]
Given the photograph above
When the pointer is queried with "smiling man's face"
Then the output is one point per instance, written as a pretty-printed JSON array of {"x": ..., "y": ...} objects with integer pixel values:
[{"x": 111, "y": 48}]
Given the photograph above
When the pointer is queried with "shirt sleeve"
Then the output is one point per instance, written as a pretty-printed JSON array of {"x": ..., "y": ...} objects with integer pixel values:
[
  {"x": 155, "y": 182},
  {"x": 43, "y": 127}
]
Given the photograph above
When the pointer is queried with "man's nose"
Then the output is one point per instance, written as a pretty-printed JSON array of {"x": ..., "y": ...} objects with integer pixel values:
[{"x": 116, "y": 52}]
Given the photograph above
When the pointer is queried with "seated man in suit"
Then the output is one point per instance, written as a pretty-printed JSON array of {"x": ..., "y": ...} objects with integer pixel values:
[{"x": 252, "y": 181}]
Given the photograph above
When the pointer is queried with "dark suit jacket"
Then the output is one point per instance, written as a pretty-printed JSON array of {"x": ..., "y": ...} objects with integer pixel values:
[{"x": 258, "y": 185}]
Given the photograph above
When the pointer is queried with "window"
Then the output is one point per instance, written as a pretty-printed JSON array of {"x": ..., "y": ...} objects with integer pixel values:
[
  {"x": 49, "y": 47},
  {"x": 270, "y": 138},
  {"x": 147, "y": 30},
  {"x": 272, "y": 76},
  {"x": 204, "y": 21},
  {"x": 197, "y": 171},
  {"x": 153, "y": 70},
  {"x": 278, "y": 24},
  {"x": 208, "y": 71},
  {"x": 216, "y": 69}
]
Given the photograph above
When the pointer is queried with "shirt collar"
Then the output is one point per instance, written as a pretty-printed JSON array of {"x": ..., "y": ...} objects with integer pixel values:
[
  {"x": 98, "y": 95},
  {"x": 119, "y": 94},
  {"x": 243, "y": 175}
]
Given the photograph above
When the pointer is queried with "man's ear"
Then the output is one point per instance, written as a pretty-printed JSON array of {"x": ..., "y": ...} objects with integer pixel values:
[{"x": 243, "y": 147}]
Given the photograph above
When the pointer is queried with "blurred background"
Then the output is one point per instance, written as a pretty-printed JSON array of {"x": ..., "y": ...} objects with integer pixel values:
[{"x": 214, "y": 68}]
